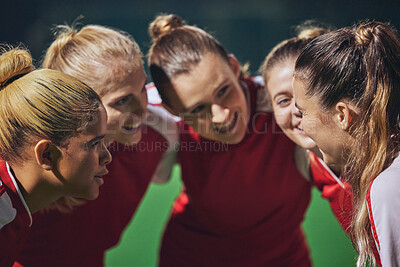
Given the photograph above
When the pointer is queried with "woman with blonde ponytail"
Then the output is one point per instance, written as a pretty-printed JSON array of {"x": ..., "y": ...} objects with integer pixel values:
[
  {"x": 51, "y": 144},
  {"x": 141, "y": 138},
  {"x": 347, "y": 90}
]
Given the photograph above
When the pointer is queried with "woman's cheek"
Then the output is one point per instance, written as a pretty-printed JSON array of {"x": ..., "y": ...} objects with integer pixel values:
[{"x": 282, "y": 117}]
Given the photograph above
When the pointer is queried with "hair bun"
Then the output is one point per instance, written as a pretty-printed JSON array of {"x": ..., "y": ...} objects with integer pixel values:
[
  {"x": 312, "y": 28},
  {"x": 163, "y": 24},
  {"x": 365, "y": 33},
  {"x": 64, "y": 35},
  {"x": 14, "y": 63},
  {"x": 312, "y": 32}
]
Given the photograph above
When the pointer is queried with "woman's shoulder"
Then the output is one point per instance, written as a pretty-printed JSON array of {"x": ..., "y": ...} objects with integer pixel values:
[{"x": 386, "y": 187}]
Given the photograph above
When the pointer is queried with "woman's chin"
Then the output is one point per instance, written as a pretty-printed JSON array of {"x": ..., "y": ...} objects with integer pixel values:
[
  {"x": 302, "y": 141},
  {"x": 132, "y": 139},
  {"x": 128, "y": 139},
  {"x": 307, "y": 143}
]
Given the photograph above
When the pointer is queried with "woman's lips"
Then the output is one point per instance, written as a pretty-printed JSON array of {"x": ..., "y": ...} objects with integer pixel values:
[
  {"x": 131, "y": 128},
  {"x": 99, "y": 178},
  {"x": 226, "y": 127},
  {"x": 299, "y": 130}
]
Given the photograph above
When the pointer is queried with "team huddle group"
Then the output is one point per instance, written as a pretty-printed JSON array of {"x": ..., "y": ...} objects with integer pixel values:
[{"x": 325, "y": 112}]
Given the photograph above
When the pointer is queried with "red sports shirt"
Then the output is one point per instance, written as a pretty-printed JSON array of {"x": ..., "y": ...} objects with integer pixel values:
[
  {"x": 243, "y": 204},
  {"x": 338, "y": 193},
  {"x": 15, "y": 217},
  {"x": 80, "y": 238}
]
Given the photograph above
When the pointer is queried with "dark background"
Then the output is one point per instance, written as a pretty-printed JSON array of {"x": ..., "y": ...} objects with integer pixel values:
[{"x": 248, "y": 29}]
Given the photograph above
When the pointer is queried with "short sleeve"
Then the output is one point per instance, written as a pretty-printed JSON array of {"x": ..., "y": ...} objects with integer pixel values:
[
  {"x": 166, "y": 124},
  {"x": 384, "y": 211}
]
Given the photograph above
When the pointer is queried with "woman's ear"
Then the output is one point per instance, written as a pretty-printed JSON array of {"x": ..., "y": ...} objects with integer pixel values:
[
  {"x": 345, "y": 115},
  {"x": 45, "y": 154},
  {"x": 235, "y": 66}
]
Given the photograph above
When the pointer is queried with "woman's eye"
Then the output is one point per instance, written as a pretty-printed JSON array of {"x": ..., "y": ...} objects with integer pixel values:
[
  {"x": 121, "y": 102},
  {"x": 95, "y": 144},
  {"x": 284, "y": 101},
  {"x": 197, "y": 109},
  {"x": 222, "y": 91}
]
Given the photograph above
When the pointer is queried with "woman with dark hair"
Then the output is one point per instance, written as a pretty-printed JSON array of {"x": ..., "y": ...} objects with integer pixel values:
[
  {"x": 277, "y": 71},
  {"x": 347, "y": 90}
]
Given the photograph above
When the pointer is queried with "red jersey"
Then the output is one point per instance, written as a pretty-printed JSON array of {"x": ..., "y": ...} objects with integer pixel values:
[
  {"x": 15, "y": 217},
  {"x": 80, "y": 238},
  {"x": 243, "y": 204},
  {"x": 338, "y": 193}
]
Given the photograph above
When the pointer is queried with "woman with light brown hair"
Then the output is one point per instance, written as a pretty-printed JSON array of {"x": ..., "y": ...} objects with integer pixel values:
[
  {"x": 51, "y": 144},
  {"x": 347, "y": 90},
  {"x": 244, "y": 198}
]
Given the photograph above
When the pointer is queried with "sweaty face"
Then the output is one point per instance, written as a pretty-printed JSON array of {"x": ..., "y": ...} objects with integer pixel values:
[
  {"x": 211, "y": 99},
  {"x": 83, "y": 162},
  {"x": 280, "y": 89},
  {"x": 322, "y": 127},
  {"x": 126, "y": 105}
]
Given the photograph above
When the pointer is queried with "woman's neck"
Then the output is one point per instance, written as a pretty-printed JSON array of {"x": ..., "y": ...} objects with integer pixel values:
[
  {"x": 316, "y": 151},
  {"x": 35, "y": 189},
  {"x": 247, "y": 96}
]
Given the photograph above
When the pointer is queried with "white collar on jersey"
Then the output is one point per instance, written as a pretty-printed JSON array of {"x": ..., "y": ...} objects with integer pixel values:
[
  {"x": 331, "y": 172},
  {"x": 19, "y": 193}
]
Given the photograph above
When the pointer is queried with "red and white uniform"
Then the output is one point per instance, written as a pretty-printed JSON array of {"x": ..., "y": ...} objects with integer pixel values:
[
  {"x": 333, "y": 189},
  {"x": 80, "y": 238},
  {"x": 384, "y": 212},
  {"x": 337, "y": 192},
  {"x": 15, "y": 217},
  {"x": 243, "y": 204}
]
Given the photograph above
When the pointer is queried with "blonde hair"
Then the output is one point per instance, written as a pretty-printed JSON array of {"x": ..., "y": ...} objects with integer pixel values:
[
  {"x": 39, "y": 104},
  {"x": 97, "y": 55},
  {"x": 360, "y": 64},
  {"x": 94, "y": 55}
]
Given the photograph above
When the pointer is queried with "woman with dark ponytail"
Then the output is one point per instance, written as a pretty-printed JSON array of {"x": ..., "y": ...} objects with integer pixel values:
[
  {"x": 347, "y": 87},
  {"x": 277, "y": 71}
]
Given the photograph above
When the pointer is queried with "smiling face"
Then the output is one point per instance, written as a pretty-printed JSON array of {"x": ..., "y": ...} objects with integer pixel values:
[
  {"x": 211, "y": 100},
  {"x": 323, "y": 127},
  {"x": 126, "y": 105},
  {"x": 280, "y": 88},
  {"x": 83, "y": 162}
]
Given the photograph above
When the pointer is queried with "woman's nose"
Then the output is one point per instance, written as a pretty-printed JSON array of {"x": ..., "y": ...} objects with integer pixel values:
[
  {"x": 295, "y": 110},
  {"x": 219, "y": 113},
  {"x": 105, "y": 155}
]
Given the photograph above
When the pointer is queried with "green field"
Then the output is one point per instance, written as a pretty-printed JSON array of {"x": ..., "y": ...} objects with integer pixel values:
[{"x": 139, "y": 245}]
